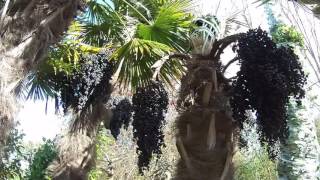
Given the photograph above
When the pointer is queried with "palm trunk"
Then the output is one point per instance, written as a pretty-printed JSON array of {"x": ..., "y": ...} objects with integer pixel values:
[
  {"x": 75, "y": 159},
  {"x": 27, "y": 29},
  {"x": 205, "y": 128},
  {"x": 76, "y": 151}
]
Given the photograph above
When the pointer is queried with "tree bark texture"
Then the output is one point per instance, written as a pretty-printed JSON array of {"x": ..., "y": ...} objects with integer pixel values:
[
  {"x": 27, "y": 29},
  {"x": 205, "y": 129},
  {"x": 76, "y": 154}
]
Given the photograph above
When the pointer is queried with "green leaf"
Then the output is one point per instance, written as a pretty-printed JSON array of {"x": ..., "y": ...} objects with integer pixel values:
[
  {"x": 171, "y": 26},
  {"x": 134, "y": 61}
]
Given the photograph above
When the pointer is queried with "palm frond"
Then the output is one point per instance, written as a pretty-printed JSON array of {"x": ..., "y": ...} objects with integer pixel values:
[
  {"x": 170, "y": 27},
  {"x": 40, "y": 87},
  {"x": 204, "y": 35},
  {"x": 102, "y": 24},
  {"x": 96, "y": 11},
  {"x": 108, "y": 31},
  {"x": 154, "y": 5},
  {"x": 135, "y": 59}
]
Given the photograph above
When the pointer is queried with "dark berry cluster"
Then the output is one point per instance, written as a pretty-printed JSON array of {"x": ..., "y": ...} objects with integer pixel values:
[
  {"x": 149, "y": 107},
  {"x": 121, "y": 115},
  {"x": 268, "y": 76},
  {"x": 89, "y": 83}
]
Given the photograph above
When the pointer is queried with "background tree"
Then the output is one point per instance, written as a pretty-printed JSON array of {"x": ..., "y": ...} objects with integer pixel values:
[
  {"x": 294, "y": 150},
  {"x": 43, "y": 156},
  {"x": 308, "y": 5},
  {"x": 300, "y": 153},
  {"x": 13, "y": 156}
]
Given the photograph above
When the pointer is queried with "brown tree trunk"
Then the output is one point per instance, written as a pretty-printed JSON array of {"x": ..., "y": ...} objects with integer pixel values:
[
  {"x": 204, "y": 138},
  {"x": 205, "y": 128},
  {"x": 27, "y": 29},
  {"x": 77, "y": 150},
  {"x": 76, "y": 154}
]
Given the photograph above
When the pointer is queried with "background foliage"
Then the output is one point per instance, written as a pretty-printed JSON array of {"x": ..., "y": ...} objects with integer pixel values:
[
  {"x": 255, "y": 166},
  {"x": 13, "y": 156},
  {"x": 44, "y": 155}
]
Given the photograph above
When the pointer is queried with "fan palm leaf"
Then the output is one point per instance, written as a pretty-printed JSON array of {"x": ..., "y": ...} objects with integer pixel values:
[
  {"x": 141, "y": 37},
  {"x": 171, "y": 26},
  {"x": 168, "y": 32},
  {"x": 135, "y": 58},
  {"x": 102, "y": 24}
]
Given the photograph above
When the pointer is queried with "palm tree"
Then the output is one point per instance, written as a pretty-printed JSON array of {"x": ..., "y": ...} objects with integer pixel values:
[
  {"x": 137, "y": 34},
  {"x": 27, "y": 29},
  {"x": 212, "y": 109},
  {"x": 151, "y": 38}
]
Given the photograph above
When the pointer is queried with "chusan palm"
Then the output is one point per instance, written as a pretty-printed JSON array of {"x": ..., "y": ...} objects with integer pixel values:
[
  {"x": 138, "y": 35},
  {"x": 205, "y": 126}
]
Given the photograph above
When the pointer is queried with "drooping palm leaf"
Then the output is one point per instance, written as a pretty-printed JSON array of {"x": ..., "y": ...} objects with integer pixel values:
[
  {"x": 134, "y": 61},
  {"x": 40, "y": 87},
  {"x": 171, "y": 26},
  {"x": 102, "y": 24}
]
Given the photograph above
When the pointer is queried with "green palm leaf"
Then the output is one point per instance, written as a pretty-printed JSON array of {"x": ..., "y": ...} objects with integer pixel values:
[
  {"x": 171, "y": 26},
  {"x": 96, "y": 12},
  {"x": 102, "y": 25},
  {"x": 135, "y": 59},
  {"x": 40, "y": 87}
]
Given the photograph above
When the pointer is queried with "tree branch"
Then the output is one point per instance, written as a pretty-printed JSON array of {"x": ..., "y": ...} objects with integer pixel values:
[
  {"x": 229, "y": 63},
  {"x": 219, "y": 46}
]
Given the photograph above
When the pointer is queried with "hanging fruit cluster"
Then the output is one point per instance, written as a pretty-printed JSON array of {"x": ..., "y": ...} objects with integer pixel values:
[
  {"x": 268, "y": 76},
  {"x": 121, "y": 115},
  {"x": 149, "y": 106},
  {"x": 89, "y": 83}
]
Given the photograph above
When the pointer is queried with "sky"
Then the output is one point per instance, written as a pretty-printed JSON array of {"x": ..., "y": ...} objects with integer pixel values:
[{"x": 36, "y": 123}]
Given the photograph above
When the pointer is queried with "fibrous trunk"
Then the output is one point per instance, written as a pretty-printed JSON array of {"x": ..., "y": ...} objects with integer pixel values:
[
  {"x": 27, "y": 29},
  {"x": 204, "y": 139},
  {"x": 75, "y": 159}
]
